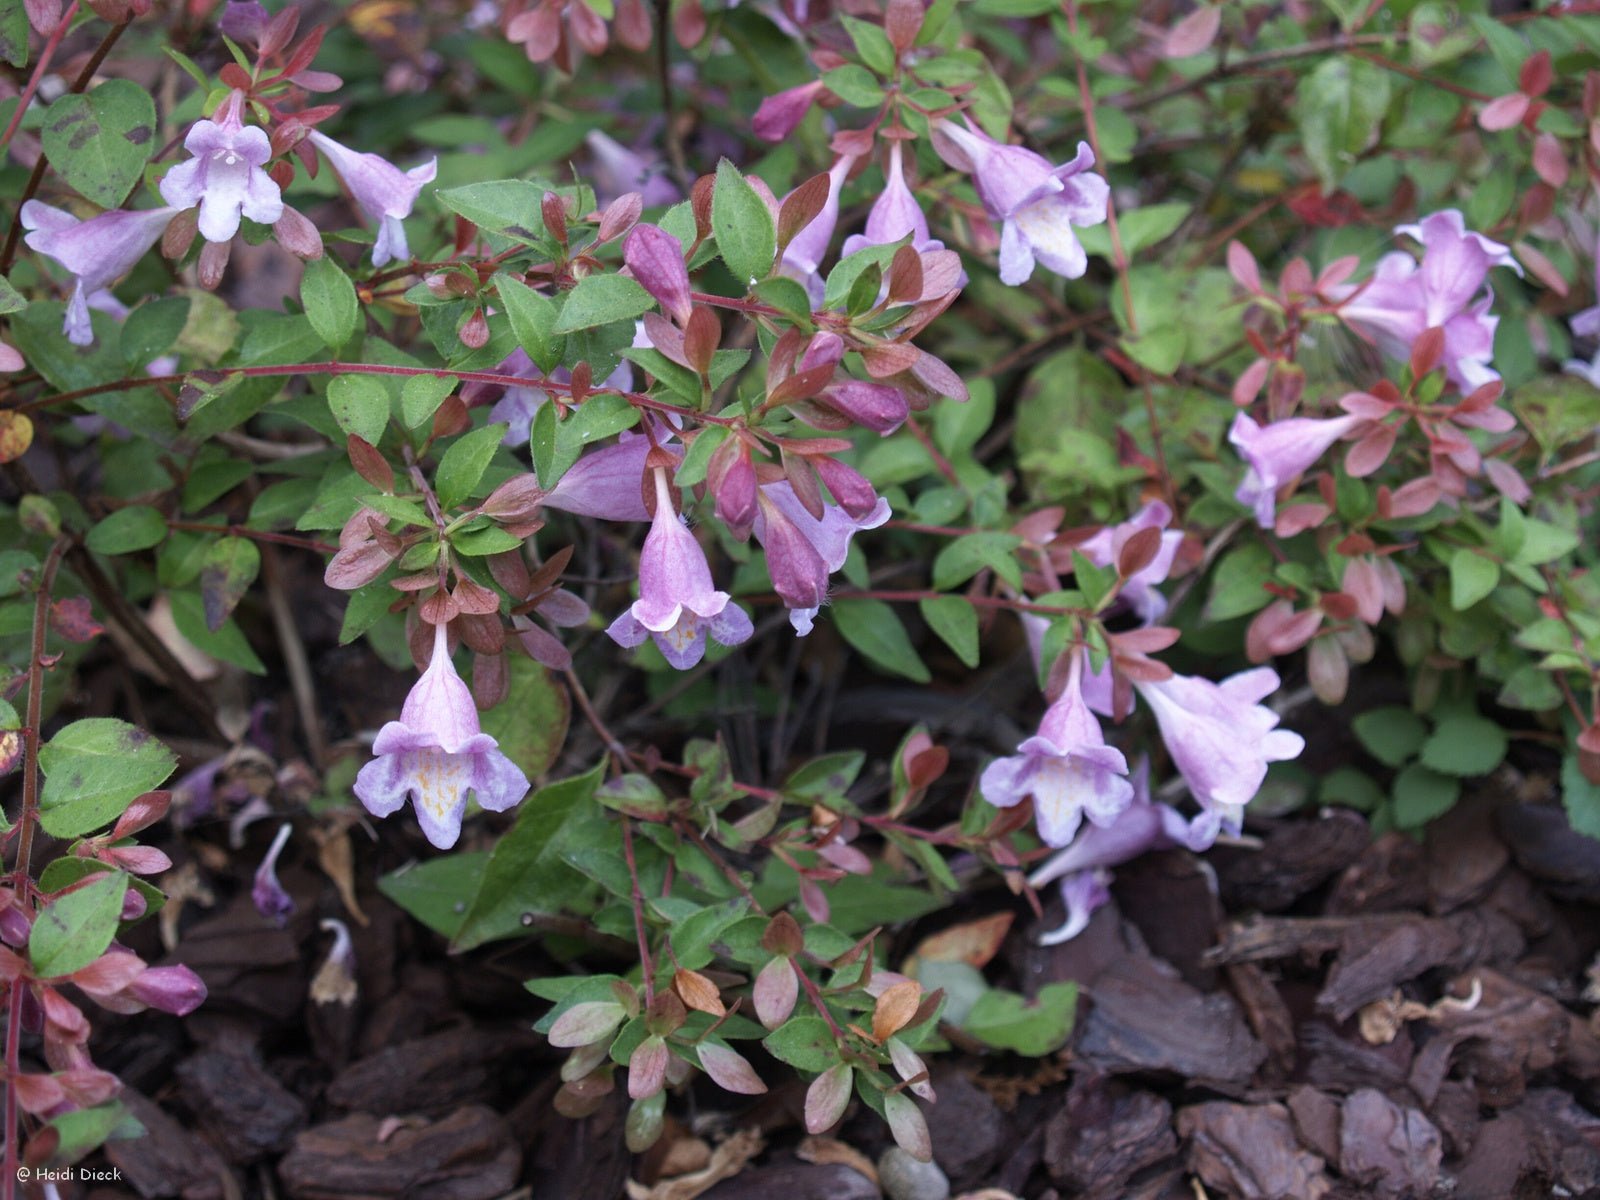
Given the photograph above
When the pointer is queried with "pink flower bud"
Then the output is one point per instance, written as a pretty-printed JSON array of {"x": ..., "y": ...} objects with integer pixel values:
[
  {"x": 176, "y": 990},
  {"x": 656, "y": 259},
  {"x": 877, "y": 406},
  {"x": 778, "y": 115},
  {"x": 731, "y": 476},
  {"x": 849, "y": 487}
]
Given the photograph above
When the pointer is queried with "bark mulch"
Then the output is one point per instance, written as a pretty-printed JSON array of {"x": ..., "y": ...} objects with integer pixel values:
[{"x": 1325, "y": 1014}]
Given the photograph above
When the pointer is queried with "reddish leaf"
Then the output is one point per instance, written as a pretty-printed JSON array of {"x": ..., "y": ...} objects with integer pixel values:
[
  {"x": 370, "y": 463},
  {"x": 730, "y": 1070},
  {"x": 1503, "y": 112},
  {"x": 828, "y": 1097},
  {"x": 1370, "y": 452},
  {"x": 73, "y": 619},
  {"x": 1242, "y": 266},
  {"x": 1535, "y": 77},
  {"x": 1194, "y": 33}
]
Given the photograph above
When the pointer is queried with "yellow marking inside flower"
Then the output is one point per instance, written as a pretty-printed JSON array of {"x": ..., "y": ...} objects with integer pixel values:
[
  {"x": 438, "y": 780},
  {"x": 683, "y": 635}
]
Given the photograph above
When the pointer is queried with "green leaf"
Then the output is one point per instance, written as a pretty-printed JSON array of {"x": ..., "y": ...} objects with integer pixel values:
[
  {"x": 531, "y": 722},
  {"x": 967, "y": 555},
  {"x": 747, "y": 237},
  {"x": 226, "y": 573},
  {"x": 75, "y": 929},
  {"x": 226, "y": 642},
  {"x": 1581, "y": 798},
  {"x": 533, "y": 320},
  {"x": 872, "y": 627},
  {"x": 1467, "y": 745},
  {"x": 1139, "y": 229},
  {"x": 84, "y": 1130},
  {"x": 525, "y": 872},
  {"x": 463, "y": 464},
  {"x": 955, "y": 620},
  {"x": 1543, "y": 542},
  {"x": 99, "y": 141},
  {"x": 152, "y": 328},
  {"x": 1340, "y": 107},
  {"x": 1472, "y": 577},
  {"x": 506, "y": 206},
  {"x": 330, "y": 302},
  {"x": 1558, "y": 410},
  {"x": 854, "y": 85},
  {"x": 693, "y": 937},
  {"x": 421, "y": 396},
  {"x": 601, "y": 300},
  {"x": 958, "y": 424},
  {"x": 1038, "y": 1027},
  {"x": 365, "y": 608},
  {"x": 1391, "y": 735},
  {"x": 13, "y": 32},
  {"x": 360, "y": 405},
  {"x": 436, "y": 890},
  {"x": 1421, "y": 794},
  {"x": 825, "y": 777},
  {"x": 805, "y": 1043},
  {"x": 1351, "y": 788},
  {"x": 872, "y": 44},
  {"x": 137, "y": 527},
  {"x": 693, "y": 468},
  {"x": 596, "y": 419}
]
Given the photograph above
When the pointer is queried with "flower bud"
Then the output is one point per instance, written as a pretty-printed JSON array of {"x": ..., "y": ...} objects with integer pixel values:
[
  {"x": 877, "y": 406},
  {"x": 656, "y": 259},
  {"x": 778, "y": 115},
  {"x": 176, "y": 989},
  {"x": 731, "y": 476},
  {"x": 850, "y": 488}
]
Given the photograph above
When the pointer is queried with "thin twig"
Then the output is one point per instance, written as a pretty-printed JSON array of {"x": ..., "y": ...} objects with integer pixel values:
[
  {"x": 675, "y": 154},
  {"x": 294, "y": 656}
]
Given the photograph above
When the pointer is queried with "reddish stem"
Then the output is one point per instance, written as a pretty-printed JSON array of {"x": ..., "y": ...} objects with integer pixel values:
[
  {"x": 40, "y": 69},
  {"x": 27, "y": 819}
]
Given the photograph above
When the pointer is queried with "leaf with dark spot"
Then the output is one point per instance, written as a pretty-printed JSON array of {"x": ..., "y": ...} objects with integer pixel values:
[
  {"x": 101, "y": 140},
  {"x": 226, "y": 573}
]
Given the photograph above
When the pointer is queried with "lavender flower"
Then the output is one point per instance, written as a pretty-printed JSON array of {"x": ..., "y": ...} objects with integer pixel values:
[
  {"x": 1037, "y": 204},
  {"x": 271, "y": 901},
  {"x": 1279, "y": 453},
  {"x": 1083, "y": 866},
  {"x": 98, "y": 251},
  {"x": 605, "y": 483},
  {"x": 385, "y": 192},
  {"x": 1404, "y": 298},
  {"x": 894, "y": 215},
  {"x": 1066, "y": 767},
  {"x": 618, "y": 171},
  {"x": 802, "y": 257},
  {"x": 225, "y": 177},
  {"x": 436, "y": 752},
  {"x": 802, "y": 550},
  {"x": 677, "y": 605},
  {"x": 1138, "y": 590},
  {"x": 1221, "y": 740}
]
